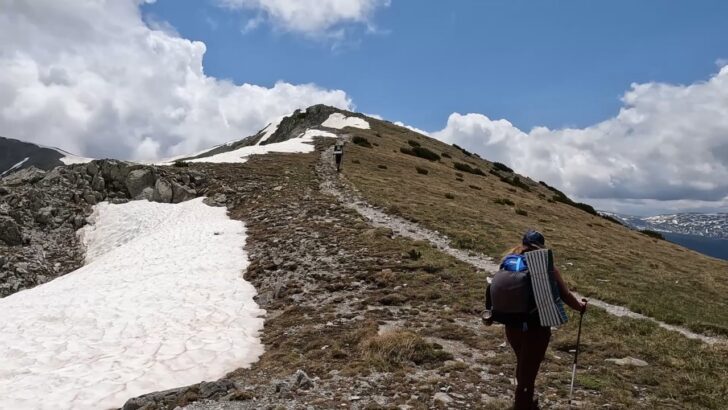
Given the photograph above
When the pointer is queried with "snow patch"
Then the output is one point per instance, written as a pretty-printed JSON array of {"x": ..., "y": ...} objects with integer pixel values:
[
  {"x": 14, "y": 167},
  {"x": 300, "y": 144},
  {"x": 270, "y": 129},
  {"x": 70, "y": 159},
  {"x": 161, "y": 303},
  {"x": 340, "y": 121}
]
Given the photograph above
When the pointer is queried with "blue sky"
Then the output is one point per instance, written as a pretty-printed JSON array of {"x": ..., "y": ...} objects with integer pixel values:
[{"x": 550, "y": 63}]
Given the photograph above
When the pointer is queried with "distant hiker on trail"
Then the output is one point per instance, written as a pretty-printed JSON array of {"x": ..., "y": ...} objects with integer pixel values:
[
  {"x": 526, "y": 296},
  {"x": 338, "y": 153}
]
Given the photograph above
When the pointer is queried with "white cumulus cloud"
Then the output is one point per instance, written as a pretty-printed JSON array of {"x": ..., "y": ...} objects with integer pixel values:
[
  {"x": 311, "y": 17},
  {"x": 92, "y": 77},
  {"x": 668, "y": 143}
]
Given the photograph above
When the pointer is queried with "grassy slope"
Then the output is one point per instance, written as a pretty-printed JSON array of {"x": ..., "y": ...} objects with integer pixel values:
[{"x": 597, "y": 257}]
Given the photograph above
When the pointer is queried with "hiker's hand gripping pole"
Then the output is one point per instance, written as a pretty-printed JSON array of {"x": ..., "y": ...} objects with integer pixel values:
[{"x": 576, "y": 354}]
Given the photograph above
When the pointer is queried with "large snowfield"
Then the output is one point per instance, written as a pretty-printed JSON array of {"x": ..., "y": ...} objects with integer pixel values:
[
  {"x": 301, "y": 144},
  {"x": 160, "y": 303}
]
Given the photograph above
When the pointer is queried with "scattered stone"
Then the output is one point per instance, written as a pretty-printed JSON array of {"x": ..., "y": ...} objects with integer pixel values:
[
  {"x": 303, "y": 381},
  {"x": 10, "y": 232},
  {"x": 443, "y": 398},
  {"x": 627, "y": 361}
]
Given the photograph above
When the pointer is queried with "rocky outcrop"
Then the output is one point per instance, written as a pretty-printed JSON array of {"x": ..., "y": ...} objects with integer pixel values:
[{"x": 40, "y": 212}]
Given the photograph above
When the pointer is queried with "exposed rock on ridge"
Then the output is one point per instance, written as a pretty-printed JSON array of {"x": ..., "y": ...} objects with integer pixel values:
[{"x": 41, "y": 211}]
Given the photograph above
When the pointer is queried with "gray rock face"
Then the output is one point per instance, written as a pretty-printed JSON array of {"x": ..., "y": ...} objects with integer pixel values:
[
  {"x": 138, "y": 181},
  {"x": 10, "y": 232}
]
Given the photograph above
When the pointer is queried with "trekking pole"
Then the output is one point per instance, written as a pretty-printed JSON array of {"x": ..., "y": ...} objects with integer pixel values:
[{"x": 576, "y": 354}]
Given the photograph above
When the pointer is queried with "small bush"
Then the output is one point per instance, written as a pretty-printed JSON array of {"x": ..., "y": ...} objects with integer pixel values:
[
  {"x": 475, "y": 187},
  {"x": 397, "y": 348},
  {"x": 521, "y": 212},
  {"x": 382, "y": 166},
  {"x": 516, "y": 182},
  {"x": 652, "y": 233},
  {"x": 445, "y": 155},
  {"x": 413, "y": 143},
  {"x": 449, "y": 196},
  {"x": 504, "y": 201},
  {"x": 421, "y": 152},
  {"x": 422, "y": 171},
  {"x": 459, "y": 179},
  {"x": 459, "y": 174},
  {"x": 181, "y": 164},
  {"x": 361, "y": 141},
  {"x": 502, "y": 167},
  {"x": 612, "y": 219},
  {"x": 414, "y": 254},
  {"x": 355, "y": 161},
  {"x": 463, "y": 150},
  {"x": 467, "y": 168}
]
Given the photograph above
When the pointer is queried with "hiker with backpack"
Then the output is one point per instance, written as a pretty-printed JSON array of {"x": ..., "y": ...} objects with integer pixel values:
[
  {"x": 338, "y": 153},
  {"x": 526, "y": 296}
]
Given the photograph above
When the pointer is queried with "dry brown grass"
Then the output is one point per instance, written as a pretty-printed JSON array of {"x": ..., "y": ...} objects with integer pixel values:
[
  {"x": 598, "y": 258},
  {"x": 394, "y": 349}
]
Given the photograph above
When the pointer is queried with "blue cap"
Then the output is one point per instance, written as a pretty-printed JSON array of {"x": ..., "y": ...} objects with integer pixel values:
[{"x": 534, "y": 238}]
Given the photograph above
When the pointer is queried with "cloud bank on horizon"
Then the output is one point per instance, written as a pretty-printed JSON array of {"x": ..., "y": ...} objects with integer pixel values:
[
  {"x": 94, "y": 78},
  {"x": 669, "y": 143}
]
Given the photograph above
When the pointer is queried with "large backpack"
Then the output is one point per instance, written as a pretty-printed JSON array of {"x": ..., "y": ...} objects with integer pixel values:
[{"x": 509, "y": 295}]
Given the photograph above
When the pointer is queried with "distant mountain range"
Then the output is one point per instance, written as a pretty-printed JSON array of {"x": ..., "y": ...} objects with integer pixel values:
[
  {"x": 16, "y": 155},
  {"x": 713, "y": 225},
  {"x": 705, "y": 233}
]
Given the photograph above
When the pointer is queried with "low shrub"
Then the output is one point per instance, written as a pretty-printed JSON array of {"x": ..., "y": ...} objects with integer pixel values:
[
  {"x": 475, "y": 187},
  {"x": 181, "y": 164},
  {"x": 502, "y": 167},
  {"x": 361, "y": 141},
  {"x": 449, "y": 196},
  {"x": 504, "y": 201},
  {"x": 521, "y": 212},
  {"x": 413, "y": 143},
  {"x": 382, "y": 166},
  {"x": 459, "y": 179},
  {"x": 445, "y": 155},
  {"x": 612, "y": 219},
  {"x": 459, "y": 174},
  {"x": 467, "y": 168},
  {"x": 516, "y": 182},
  {"x": 398, "y": 348},
  {"x": 420, "y": 152},
  {"x": 422, "y": 171},
  {"x": 652, "y": 233},
  {"x": 414, "y": 254},
  {"x": 355, "y": 161},
  {"x": 463, "y": 150}
]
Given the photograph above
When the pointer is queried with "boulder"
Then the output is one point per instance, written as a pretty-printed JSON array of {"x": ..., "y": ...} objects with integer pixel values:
[
  {"x": 181, "y": 193},
  {"x": 10, "y": 232},
  {"x": 138, "y": 180},
  {"x": 92, "y": 168},
  {"x": 162, "y": 191}
]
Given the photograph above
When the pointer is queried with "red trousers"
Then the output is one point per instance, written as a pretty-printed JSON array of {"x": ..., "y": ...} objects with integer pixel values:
[{"x": 530, "y": 348}]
